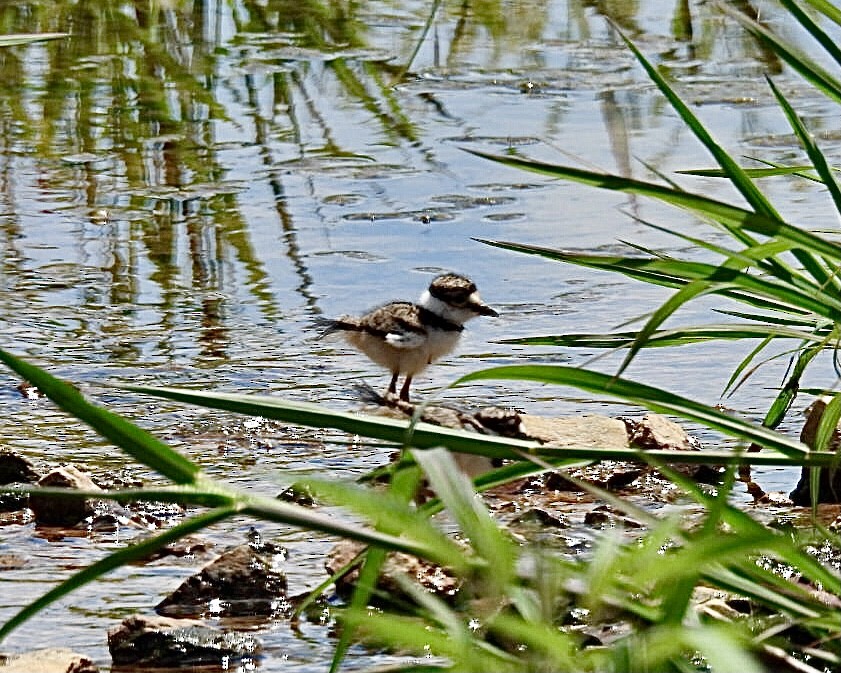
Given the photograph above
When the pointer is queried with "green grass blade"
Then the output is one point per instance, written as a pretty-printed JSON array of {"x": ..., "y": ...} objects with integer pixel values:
[
  {"x": 669, "y": 337},
  {"x": 366, "y": 585},
  {"x": 281, "y": 512},
  {"x": 652, "y": 398},
  {"x": 750, "y": 289},
  {"x": 808, "y": 323},
  {"x": 785, "y": 398},
  {"x": 686, "y": 294},
  {"x": 745, "y": 362},
  {"x": 392, "y": 516},
  {"x": 828, "y": 43},
  {"x": 807, "y": 140},
  {"x": 828, "y": 424},
  {"x": 133, "y": 440},
  {"x": 113, "y": 561},
  {"x": 455, "y": 490},
  {"x": 731, "y": 216},
  {"x": 29, "y": 38},
  {"x": 832, "y": 12},
  {"x": 734, "y": 172},
  {"x": 756, "y": 172},
  {"x": 424, "y": 435},
  {"x": 816, "y": 75}
]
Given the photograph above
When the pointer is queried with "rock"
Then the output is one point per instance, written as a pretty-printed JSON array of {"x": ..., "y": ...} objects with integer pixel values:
[
  {"x": 473, "y": 465},
  {"x": 242, "y": 581},
  {"x": 114, "y": 479},
  {"x": 13, "y": 502},
  {"x": 161, "y": 642},
  {"x": 299, "y": 494},
  {"x": 432, "y": 577},
  {"x": 610, "y": 475},
  {"x": 658, "y": 432},
  {"x": 505, "y": 422},
  {"x": 579, "y": 431},
  {"x": 185, "y": 546},
  {"x": 16, "y": 469},
  {"x": 152, "y": 514},
  {"x": 64, "y": 511},
  {"x": 541, "y": 517},
  {"x": 52, "y": 660},
  {"x": 829, "y": 482},
  {"x": 11, "y": 561},
  {"x": 605, "y": 516}
]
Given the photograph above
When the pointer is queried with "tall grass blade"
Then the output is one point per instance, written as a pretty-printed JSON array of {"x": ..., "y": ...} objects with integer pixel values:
[
  {"x": 785, "y": 398},
  {"x": 807, "y": 140},
  {"x": 455, "y": 490},
  {"x": 734, "y": 172},
  {"x": 810, "y": 70},
  {"x": 829, "y": 45},
  {"x": 29, "y": 38},
  {"x": 791, "y": 297},
  {"x": 825, "y": 7},
  {"x": 777, "y": 170},
  {"x": 133, "y": 440},
  {"x": 115, "y": 560},
  {"x": 679, "y": 336},
  {"x": 744, "y": 363},
  {"x": 425, "y": 436}
]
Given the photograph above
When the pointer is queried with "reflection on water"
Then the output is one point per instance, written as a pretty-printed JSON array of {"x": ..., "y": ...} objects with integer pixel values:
[{"x": 184, "y": 187}]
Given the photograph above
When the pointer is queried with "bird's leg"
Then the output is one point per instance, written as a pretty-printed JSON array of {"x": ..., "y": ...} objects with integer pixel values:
[
  {"x": 392, "y": 388},
  {"x": 404, "y": 391}
]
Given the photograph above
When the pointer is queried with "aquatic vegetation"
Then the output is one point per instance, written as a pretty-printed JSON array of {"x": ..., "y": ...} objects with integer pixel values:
[{"x": 785, "y": 276}]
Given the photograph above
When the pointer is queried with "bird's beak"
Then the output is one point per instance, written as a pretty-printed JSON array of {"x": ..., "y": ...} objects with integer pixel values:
[
  {"x": 475, "y": 304},
  {"x": 484, "y": 309}
]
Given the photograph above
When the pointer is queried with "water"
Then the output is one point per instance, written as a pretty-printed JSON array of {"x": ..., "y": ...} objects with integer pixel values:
[{"x": 184, "y": 190}]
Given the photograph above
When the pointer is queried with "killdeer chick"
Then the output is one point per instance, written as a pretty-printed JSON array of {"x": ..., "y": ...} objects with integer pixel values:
[{"x": 405, "y": 338}]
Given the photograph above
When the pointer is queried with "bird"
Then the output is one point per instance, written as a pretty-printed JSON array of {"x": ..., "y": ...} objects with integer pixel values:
[{"x": 406, "y": 337}]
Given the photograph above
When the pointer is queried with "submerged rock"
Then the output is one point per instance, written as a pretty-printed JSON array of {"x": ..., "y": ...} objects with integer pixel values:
[
  {"x": 15, "y": 469},
  {"x": 432, "y": 577},
  {"x": 540, "y": 517},
  {"x": 243, "y": 581},
  {"x": 656, "y": 432},
  {"x": 52, "y": 660},
  {"x": 161, "y": 642},
  {"x": 64, "y": 511}
]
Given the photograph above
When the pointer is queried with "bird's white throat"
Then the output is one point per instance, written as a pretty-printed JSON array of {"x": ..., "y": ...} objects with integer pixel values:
[{"x": 442, "y": 309}]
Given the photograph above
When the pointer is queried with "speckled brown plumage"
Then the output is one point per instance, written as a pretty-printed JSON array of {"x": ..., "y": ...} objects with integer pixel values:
[{"x": 404, "y": 337}]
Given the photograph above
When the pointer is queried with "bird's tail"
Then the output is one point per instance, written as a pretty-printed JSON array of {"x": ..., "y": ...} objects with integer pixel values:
[{"x": 332, "y": 325}]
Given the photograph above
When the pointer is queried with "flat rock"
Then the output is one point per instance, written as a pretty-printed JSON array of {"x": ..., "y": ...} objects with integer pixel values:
[
  {"x": 430, "y": 576},
  {"x": 243, "y": 581},
  {"x": 161, "y": 642},
  {"x": 580, "y": 431},
  {"x": 52, "y": 660},
  {"x": 64, "y": 511},
  {"x": 658, "y": 432}
]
